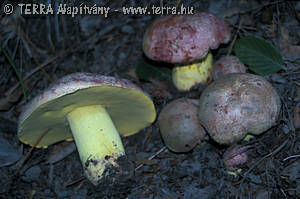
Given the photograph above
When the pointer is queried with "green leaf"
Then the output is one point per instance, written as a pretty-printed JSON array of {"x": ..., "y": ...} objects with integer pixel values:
[
  {"x": 260, "y": 56},
  {"x": 146, "y": 69}
]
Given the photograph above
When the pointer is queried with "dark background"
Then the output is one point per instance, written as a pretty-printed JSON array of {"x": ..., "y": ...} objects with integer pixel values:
[{"x": 45, "y": 48}]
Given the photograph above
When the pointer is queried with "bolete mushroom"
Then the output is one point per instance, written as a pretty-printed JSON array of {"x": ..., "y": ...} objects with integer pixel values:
[
  {"x": 179, "y": 125},
  {"x": 235, "y": 157},
  {"x": 237, "y": 104},
  {"x": 92, "y": 109},
  {"x": 226, "y": 65},
  {"x": 186, "y": 39}
]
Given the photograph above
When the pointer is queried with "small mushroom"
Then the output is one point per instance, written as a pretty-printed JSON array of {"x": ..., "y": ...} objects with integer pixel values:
[
  {"x": 94, "y": 110},
  {"x": 237, "y": 104},
  {"x": 186, "y": 39},
  {"x": 235, "y": 157},
  {"x": 179, "y": 125},
  {"x": 226, "y": 65}
]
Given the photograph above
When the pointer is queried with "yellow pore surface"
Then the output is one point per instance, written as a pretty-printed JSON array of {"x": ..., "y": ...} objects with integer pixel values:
[{"x": 130, "y": 110}]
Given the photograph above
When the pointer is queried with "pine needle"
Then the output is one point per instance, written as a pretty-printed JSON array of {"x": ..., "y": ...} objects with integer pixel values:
[{"x": 12, "y": 64}]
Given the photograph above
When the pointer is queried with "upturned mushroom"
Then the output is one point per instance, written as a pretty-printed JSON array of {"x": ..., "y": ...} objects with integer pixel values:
[
  {"x": 179, "y": 125},
  {"x": 226, "y": 65},
  {"x": 237, "y": 104},
  {"x": 185, "y": 40},
  {"x": 94, "y": 110}
]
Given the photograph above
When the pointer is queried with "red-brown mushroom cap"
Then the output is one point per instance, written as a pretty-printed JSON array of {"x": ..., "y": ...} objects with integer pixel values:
[
  {"x": 235, "y": 157},
  {"x": 184, "y": 38},
  {"x": 237, "y": 104}
]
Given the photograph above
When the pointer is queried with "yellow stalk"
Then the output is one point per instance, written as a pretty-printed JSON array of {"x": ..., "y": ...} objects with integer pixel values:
[
  {"x": 185, "y": 77},
  {"x": 98, "y": 141}
]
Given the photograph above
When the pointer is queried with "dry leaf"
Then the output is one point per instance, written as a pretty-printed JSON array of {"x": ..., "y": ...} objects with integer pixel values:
[
  {"x": 9, "y": 154},
  {"x": 297, "y": 117},
  {"x": 61, "y": 151},
  {"x": 132, "y": 74},
  {"x": 288, "y": 46},
  {"x": 160, "y": 89},
  {"x": 7, "y": 102}
]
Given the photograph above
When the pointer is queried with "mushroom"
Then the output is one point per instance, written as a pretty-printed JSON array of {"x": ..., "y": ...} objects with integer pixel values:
[
  {"x": 235, "y": 157},
  {"x": 186, "y": 39},
  {"x": 92, "y": 109},
  {"x": 179, "y": 125},
  {"x": 226, "y": 65},
  {"x": 237, "y": 104}
]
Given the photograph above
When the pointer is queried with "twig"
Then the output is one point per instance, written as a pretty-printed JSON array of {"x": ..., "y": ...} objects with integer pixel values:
[
  {"x": 258, "y": 8},
  {"x": 12, "y": 63},
  {"x": 234, "y": 38},
  {"x": 298, "y": 84},
  {"x": 29, "y": 152},
  {"x": 75, "y": 181},
  {"x": 12, "y": 89},
  {"x": 73, "y": 48},
  {"x": 291, "y": 124},
  {"x": 290, "y": 157},
  {"x": 153, "y": 156}
]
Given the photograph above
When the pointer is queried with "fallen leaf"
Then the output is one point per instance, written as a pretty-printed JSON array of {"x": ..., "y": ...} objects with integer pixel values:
[
  {"x": 9, "y": 154},
  {"x": 160, "y": 89},
  {"x": 297, "y": 118},
  {"x": 260, "y": 55},
  {"x": 132, "y": 74},
  {"x": 61, "y": 151},
  {"x": 289, "y": 51},
  {"x": 288, "y": 46},
  {"x": 7, "y": 102},
  {"x": 147, "y": 69}
]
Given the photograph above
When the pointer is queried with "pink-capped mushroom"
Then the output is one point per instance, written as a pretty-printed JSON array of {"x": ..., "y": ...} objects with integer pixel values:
[
  {"x": 237, "y": 104},
  {"x": 226, "y": 65},
  {"x": 186, "y": 39},
  {"x": 179, "y": 125},
  {"x": 235, "y": 157}
]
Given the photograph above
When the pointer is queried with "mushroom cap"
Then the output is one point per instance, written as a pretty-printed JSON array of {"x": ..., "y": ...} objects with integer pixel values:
[
  {"x": 184, "y": 38},
  {"x": 235, "y": 157},
  {"x": 128, "y": 106},
  {"x": 237, "y": 104},
  {"x": 226, "y": 65},
  {"x": 179, "y": 125}
]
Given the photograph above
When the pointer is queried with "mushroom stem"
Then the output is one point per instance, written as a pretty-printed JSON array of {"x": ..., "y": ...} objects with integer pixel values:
[
  {"x": 97, "y": 140},
  {"x": 187, "y": 76}
]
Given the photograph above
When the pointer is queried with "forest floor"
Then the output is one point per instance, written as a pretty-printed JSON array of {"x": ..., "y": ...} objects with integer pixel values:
[{"x": 46, "y": 48}]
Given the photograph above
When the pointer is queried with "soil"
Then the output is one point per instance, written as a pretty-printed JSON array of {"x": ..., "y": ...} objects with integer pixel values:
[{"x": 44, "y": 48}]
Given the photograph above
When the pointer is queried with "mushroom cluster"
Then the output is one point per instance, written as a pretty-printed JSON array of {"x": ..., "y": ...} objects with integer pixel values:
[
  {"x": 92, "y": 109},
  {"x": 235, "y": 105},
  {"x": 185, "y": 40}
]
